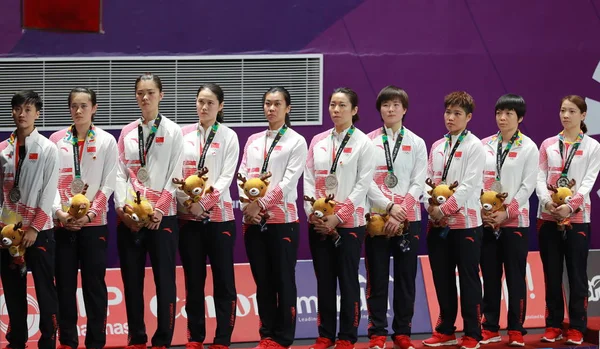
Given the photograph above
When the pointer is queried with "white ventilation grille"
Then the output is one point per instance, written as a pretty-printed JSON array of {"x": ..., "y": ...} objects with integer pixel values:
[{"x": 244, "y": 80}]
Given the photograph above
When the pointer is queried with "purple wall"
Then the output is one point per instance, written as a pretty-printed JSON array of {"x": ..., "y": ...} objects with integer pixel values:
[{"x": 541, "y": 49}]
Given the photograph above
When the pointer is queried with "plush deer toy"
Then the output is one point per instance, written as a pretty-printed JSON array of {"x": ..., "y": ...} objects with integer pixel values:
[
  {"x": 376, "y": 222},
  {"x": 324, "y": 207},
  {"x": 12, "y": 236},
  {"x": 254, "y": 188},
  {"x": 440, "y": 194},
  {"x": 491, "y": 202},
  {"x": 141, "y": 211},
  {"x": 79, "y": 204},
  {"x": 193, "y": 186},
  {"x": 560, "y": 196}
]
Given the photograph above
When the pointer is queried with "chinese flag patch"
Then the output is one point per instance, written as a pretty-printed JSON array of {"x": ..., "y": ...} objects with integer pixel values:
[
  {"x": 347, "y": 150},
  {"x": 458, "y": 154},
  {"x": 160, "y": 139},
  {"x": 406, "y": 148},
  {"x": 579, "y": 152},
  {"x": 91, "y": 149},
  {"x": 33, "y": 156},
  {"x": 512, "y": 154}
]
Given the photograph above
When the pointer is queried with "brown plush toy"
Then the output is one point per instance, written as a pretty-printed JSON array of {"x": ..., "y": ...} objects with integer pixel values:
[
  {"x": 12, "y": 236},
  {"x": 324, "y": 207},
  {"x": 439, "y": 195},
  {"x": 193, "y": 186},
  {"x": 491, "y": 202},
  {"x": 79, "y": 205},
  {"x": 141, "y": 211},
  {"x": 560, "y": 196},
  {"x": 254, "y": 188},
  {"x": 376, "y": 222}
]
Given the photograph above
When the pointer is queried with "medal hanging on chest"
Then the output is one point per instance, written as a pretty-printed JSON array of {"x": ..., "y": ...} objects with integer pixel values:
[
  {"x": 331, "y": 181},
  {"x": 142, "y": 174},
  {"x": 390, "y": 179}
]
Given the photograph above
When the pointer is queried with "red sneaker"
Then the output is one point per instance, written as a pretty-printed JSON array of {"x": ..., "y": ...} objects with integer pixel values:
[
  {"x": 343, "y": 344},
  {"x": 469, "y": 343},
  {"x": 268, "y": 343},
  {"x": 574, "y": 336},
  {"x": 322, "y": 343},
  {"x": 377, "y": 342},
  {"x": 403, "y": 342},
  {"x": 194, "y": 345},
  {"x": 552, "y": 335},
  {"x": 515, "y": 339},
  {"x": 440, "y": 339},
  {"x": 136, "y": 346},
  {"x": 490, "y": 337},
  {"x": 218, "y": 346}
]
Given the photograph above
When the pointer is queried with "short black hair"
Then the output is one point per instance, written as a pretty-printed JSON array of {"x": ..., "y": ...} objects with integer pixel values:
[
  {"x": 26, "y": 97},
  {"x": 392, "y": 93},
  {"x": 512, "y": 102}
]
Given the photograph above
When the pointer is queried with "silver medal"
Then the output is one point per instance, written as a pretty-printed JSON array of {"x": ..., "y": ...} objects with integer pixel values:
[
  {"x": 331, "y": 182},
  {"x": 77, "y": 186},
  {"x": 143, "y": 175},
  {"x": 14, "y": 195},
  {"x": 496, "y": 186},
  {"x": 390, "y": 180},
  {"x": 562, "y": 182}
]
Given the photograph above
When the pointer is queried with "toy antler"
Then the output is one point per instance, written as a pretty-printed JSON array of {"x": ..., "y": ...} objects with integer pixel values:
[
  {"x": 501, "y": 196},
  {"x": 241, "y": 178},
  {"x": 138, "y": 197},
  {"x": 265, "y": 176},
  {"x": 178, "y": 181},
  {"x": 85, "y": 187},
  {"x": 571, "y": 183},
  {"x": 18, "y": 226},
  {"x": 552, "y": 188},
  {"x": 310, "y": 199},
  {"x": 430, "y": 183},
  {"x": 329, "y": 198},
  {"x": 202, "y": 171},
  {"x": 453, "y": 185}
]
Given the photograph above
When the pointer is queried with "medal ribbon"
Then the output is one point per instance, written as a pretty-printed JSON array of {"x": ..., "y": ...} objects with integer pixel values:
[
  {"x": 204, "y": 148},
  {"x": 143, "y": 151},
  {"x": 18, "y": 165},
  {"x": 340, "y": 149},
  {"x": 567, "y": 163},
  {"x": 451, "y": 156},
  {"x": 267, "y": 155},
  {"x": 390, "y": 160},
  {"x": 78, "y": 149},
  {"x": 501, "y": 155}
]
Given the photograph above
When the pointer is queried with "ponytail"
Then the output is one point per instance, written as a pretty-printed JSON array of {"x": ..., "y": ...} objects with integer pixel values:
[
  {"x": 583, "y": 127},
  {"x": 220, "y": 117},
  {"x": 288, "y": 122}
]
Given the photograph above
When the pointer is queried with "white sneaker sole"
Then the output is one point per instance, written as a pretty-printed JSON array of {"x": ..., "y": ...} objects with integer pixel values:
[
  {"x": 491, "y": 340},
  {"x": 476, "y": 347},
  {"x": 516, "y": 344},
  {"x": 451, "y": 342},
  {"x": 559, "y": 337},
  {"x": 397, "y": 347},
  {"x": 570, "y": 341},
  {"x": 377, "y": 347}
]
